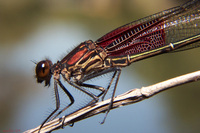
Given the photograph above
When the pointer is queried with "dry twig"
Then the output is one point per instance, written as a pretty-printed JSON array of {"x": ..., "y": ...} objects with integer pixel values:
[{"x": 130, "y": 97}]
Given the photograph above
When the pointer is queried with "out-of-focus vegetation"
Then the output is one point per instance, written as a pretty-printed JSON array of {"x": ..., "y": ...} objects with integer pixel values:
[{"x": 20, "y": 18}]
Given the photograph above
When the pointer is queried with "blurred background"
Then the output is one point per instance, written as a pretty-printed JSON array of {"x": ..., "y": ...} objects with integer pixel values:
[{"x": 39, "y": 29}]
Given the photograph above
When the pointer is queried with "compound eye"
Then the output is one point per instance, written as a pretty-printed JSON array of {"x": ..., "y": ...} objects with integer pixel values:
[{"x": 43, "y": 69}]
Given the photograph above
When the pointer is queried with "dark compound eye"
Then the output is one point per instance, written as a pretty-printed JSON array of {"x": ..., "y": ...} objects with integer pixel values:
[{"x": 43, "y": 71}]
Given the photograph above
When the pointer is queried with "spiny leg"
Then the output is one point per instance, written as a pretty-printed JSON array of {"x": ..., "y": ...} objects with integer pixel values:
[
  {"x": 95, "y": 98},
  {"x": 93, "y": 87},
  {"x": 104, "y": 91},
  {"x": 113, "y": 94},
  {"x": 77, "y": 86},
  {"x": 70, "y": 97},
  {"x": 97, "y": 88},
  {"x": 114, "y": 74},
  {"x": 57, "y": 104}
]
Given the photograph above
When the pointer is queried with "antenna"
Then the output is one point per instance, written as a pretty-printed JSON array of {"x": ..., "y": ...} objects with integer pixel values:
[{"x": 35, "y": 62}]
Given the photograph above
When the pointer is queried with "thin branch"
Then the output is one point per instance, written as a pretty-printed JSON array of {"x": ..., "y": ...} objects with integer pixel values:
[{"x": 130, "y": 97}]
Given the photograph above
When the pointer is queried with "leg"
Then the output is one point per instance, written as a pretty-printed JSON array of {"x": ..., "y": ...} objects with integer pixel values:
[
  {"x": 113, "y": 94},
  {"x": 109, "y": 85},
  {"x": 94, "y": 87},
  {"x": 104, "y": 91},
  {"x": 96, "y": 74},
  {"x": 57, "y": 104},
  {"x": 77, "y": 86},
  {"x": 93, "y": 75},
  {"x": 58, "y": 101},
  {"x": 70, "y": 97}
]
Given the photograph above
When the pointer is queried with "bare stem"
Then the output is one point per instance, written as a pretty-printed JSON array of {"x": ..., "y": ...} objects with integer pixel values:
[{"x": 130, "y": 97}]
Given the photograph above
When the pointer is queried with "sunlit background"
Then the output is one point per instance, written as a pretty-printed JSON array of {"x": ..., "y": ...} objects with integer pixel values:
[{"x": 32, "y": 30}]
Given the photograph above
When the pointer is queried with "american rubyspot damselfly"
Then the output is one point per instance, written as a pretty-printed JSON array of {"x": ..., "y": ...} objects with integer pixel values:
[{"x": 175, "y": 29}]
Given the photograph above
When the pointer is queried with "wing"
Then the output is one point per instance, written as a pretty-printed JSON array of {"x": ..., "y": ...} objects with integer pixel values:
[{"x": 153, "y": 31}]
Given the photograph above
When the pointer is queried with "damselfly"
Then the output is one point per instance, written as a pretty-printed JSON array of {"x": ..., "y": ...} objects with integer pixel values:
[{"x": 175, "y": 29}]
